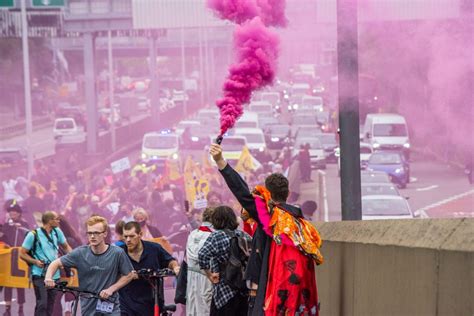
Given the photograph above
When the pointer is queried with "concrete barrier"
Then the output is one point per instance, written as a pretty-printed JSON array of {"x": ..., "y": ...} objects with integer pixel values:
[{"x": 397, "y": 267}]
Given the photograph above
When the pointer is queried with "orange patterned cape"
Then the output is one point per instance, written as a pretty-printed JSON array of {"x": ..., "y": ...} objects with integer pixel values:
[{"x": 287, "y": 229}]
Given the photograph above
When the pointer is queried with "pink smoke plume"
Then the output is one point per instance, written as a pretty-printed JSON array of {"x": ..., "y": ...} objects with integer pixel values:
[
  {"x": 237, "y": 11},
  {"x": 272, "y": 12},
  {"x": 257, "y": 51}
]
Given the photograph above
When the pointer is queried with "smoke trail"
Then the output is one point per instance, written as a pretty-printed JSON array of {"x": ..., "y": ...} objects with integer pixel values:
[
  {"x": 257, "y": 51},
  {"x": 272, "y": 12},
  {"x": 237, "y": 11}
]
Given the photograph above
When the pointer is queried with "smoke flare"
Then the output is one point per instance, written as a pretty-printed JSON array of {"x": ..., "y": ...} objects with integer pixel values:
[
  {"x": 272, "y": 12},
  {"x": 257, "y": 51}
]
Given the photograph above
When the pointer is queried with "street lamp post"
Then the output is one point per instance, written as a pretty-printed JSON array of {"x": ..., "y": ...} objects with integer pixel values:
[
  {"x": 27, "y": 86},
  {"x": 348, "y": 81},
  {"x": 111, "y": 93}
]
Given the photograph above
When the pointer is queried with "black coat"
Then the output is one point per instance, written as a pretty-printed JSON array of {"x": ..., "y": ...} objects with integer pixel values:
[{"x": 257, "y": 268}]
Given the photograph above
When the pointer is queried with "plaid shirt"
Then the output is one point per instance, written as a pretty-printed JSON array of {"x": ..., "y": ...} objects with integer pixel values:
[{"x": 214, "y": 252}]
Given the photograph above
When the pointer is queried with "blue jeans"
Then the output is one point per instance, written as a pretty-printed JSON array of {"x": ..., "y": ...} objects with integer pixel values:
[{"x": 44, "y": 297}]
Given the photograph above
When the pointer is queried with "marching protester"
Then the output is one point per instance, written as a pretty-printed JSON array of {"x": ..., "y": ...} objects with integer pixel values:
[
  {"x": 199, "y": 287},
  {"x": 14, "y": 233},
  {"x": 214, "y": 255},
  {"x": 102, "y": 269},
  {"x": 136, "y": 298},
  {"x": 142, "y": 218},
  {"x": 276, "y": 288},
  {"x": 39, "y": 249}
]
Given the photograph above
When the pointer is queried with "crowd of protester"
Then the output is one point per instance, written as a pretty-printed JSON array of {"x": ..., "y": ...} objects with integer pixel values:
[{"x": 66, "y": 201}]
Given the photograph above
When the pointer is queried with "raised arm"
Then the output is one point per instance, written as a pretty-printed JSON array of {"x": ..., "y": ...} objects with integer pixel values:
[{"x": 234, "y": 181}]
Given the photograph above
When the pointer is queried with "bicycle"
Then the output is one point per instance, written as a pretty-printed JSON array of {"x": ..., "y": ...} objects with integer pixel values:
[
  {"x": 155, "y": 278},
  {"x": 62, "y": 286}
]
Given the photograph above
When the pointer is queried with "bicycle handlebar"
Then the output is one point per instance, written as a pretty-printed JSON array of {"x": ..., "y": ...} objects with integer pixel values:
[
  {"x": 62, "y": 286},
  {"x": 150, "y": 273}
]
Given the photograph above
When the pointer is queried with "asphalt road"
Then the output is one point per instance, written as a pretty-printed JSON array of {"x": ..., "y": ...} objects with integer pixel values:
[
  {"x": 42, "y": 141},
  {"x": 436, "y": 190}
]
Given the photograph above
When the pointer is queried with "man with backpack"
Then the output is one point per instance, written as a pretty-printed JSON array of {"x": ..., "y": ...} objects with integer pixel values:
[
  {"x": 285, "y": 247},
  {"x": 224, "y": 263},
  {"x": 41, "y": 247}
]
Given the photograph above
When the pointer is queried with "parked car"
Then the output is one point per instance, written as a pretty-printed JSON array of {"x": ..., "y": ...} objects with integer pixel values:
[
  {"x": 329, "y": 143},
  {"x": 264, "y": 121},
  {"x": 196, "y": 137},
  {"x": 181, "y": 126},
  {"x": 11, "y": 157},
  {"x": 392, "y": 163},
  {"x": 232, "y": 147},
  {"x": 64, "y": 109},
  {"x": 379, "y": 189},
  {"x": 66, "y": 131},
  {"x": 316, "y": 151},
  {"x": 385, "y": 207},
  {"x": 255, "y": 139},
  {"x": 365, "y": 153},
  {"x": 367, "y": 177},
  {"x": 277, "y": 135},
  {"x": 261, "y": 107},
  {"x": 311, "y": 103}
]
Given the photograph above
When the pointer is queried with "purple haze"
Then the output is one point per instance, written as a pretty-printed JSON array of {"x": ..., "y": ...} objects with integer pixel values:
[{"x": 257, "y": 52}]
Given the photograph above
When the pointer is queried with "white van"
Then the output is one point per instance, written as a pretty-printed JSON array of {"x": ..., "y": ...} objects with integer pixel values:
[
  {"x": 300, "y": 89},
  {"x": 272, "y": 97},
  {"x": 254, "y": 137},
  {"x": 387, "y": 132},
  {"x": 261, "y": 107},
  {"x": 66, "y": 131},
  {"x": 232, "y": 147},
  {"x": 159, "y": 146},
  {"x": 248, "y": 120},
  {"x": 310, "y": 103}
]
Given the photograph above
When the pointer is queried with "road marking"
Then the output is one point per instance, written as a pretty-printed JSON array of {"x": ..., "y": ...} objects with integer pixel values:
[
  {"x": 431, "y": 187},
  {"x": 413, "y": 179},
  {"x": 422, "y": 211},
  {"x": 325, "y": 197}
]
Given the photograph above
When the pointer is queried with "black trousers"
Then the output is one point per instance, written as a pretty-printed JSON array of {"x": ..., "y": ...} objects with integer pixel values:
[
  {"x": 44, "y": 297},
  {"x": 237, "y": 306}
]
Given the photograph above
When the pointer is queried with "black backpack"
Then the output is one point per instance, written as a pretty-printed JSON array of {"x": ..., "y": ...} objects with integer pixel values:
[
  {"x": 232, "y": 272},
  {"x": 36, "y": 241}
]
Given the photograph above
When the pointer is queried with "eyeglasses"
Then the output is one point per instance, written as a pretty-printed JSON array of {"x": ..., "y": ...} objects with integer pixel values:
[{"x": 90, "y": 234}]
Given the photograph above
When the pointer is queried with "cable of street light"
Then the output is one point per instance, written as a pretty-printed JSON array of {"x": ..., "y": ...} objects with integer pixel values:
[{"x": 27, "y": 86}]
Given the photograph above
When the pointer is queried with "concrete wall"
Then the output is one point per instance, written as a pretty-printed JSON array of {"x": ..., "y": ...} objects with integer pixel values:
[{"x": 397, "y": 267}]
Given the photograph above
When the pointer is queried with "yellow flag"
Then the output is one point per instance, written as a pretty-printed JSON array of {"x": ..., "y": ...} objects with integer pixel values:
[
  {"x": 245, "y": 163},
  {"x": 196, "y": 185},
  {"x": 13, "y": 271},
  {"x": 173, "y": 169}
]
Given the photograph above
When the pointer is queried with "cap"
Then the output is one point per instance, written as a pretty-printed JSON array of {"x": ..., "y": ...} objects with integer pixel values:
[{"x": 12, "y": 205}]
